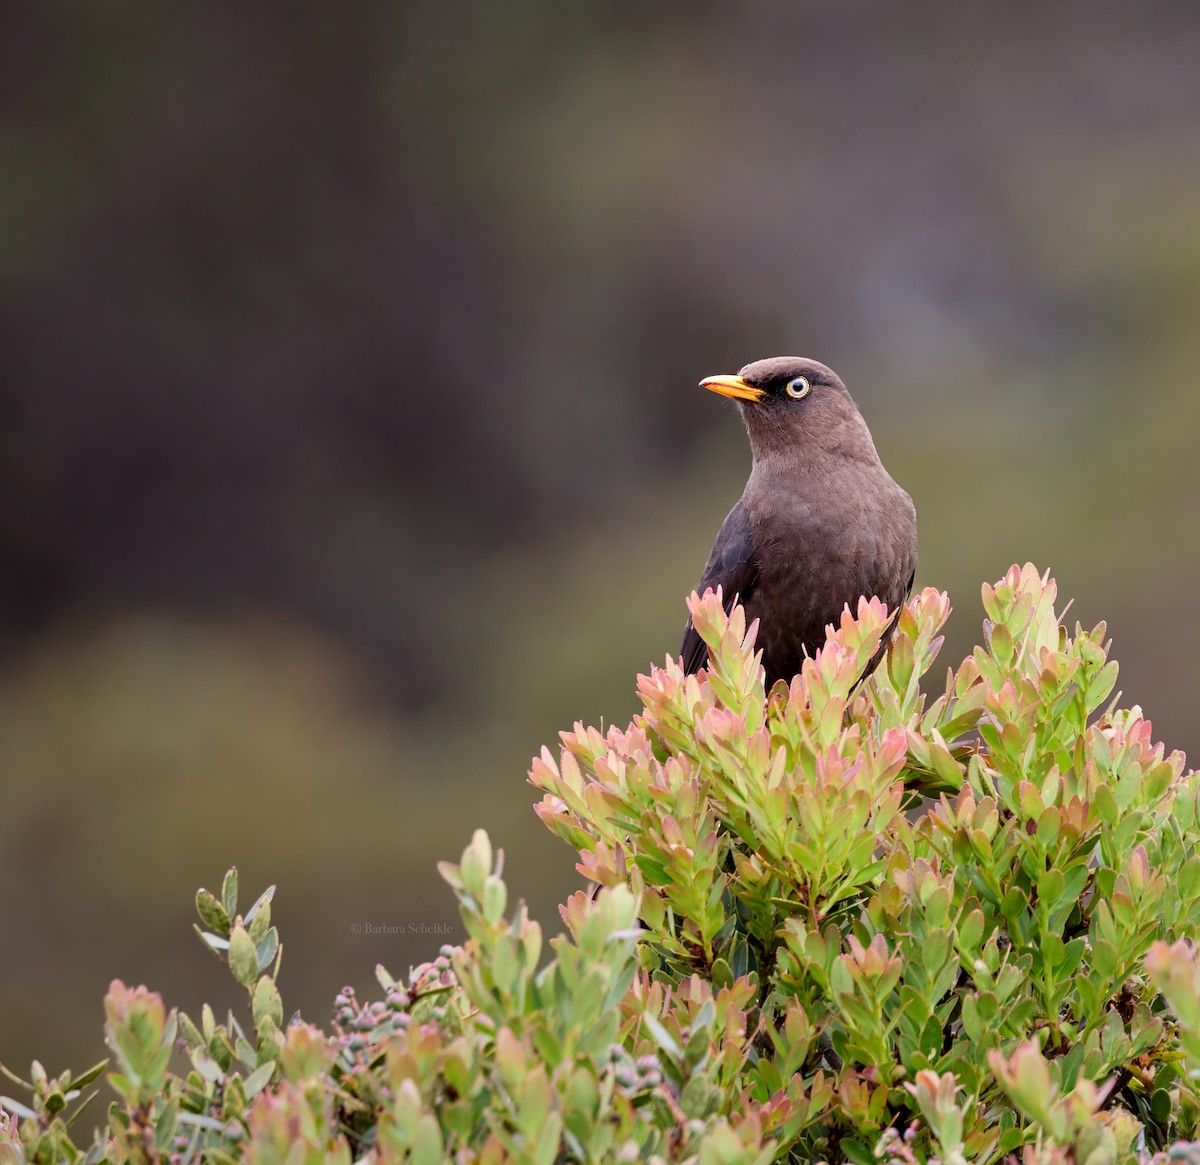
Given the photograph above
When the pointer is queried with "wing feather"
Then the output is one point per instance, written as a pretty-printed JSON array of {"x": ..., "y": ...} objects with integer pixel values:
[{"x": 733, "y": 566}]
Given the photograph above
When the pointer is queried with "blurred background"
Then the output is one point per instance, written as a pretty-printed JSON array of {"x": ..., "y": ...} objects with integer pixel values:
[{"x": 350, "y": 443}]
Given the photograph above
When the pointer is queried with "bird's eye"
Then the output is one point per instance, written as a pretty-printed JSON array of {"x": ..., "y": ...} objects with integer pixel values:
[{"x": 797, "y": 388}]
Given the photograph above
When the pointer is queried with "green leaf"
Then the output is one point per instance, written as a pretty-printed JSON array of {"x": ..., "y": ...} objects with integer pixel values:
[
  {"x": 212, "y": 913},
  {"x": 266, "y": 1002},
  {"x": 857, "y": 1152},
  {"x": 85, "y": 1078},
  {"x": 662, "y": 1037},
  {"x": 229, "y": 892},
  {"x": 199, "y": 1121},
  {"x": 207, "y": 1066},
  {"x": 258, "y": 926},
  {"x": 164, "y": 1127},
  {"x": 427, "y": 1144},
  {"x": 263, "y": 900},
  {"x": 259, "y": 1078},
  {"x": 266, "y": 950},
  {"x": 15, "y": 1106},
  {"x": 243, "y": 959},
  {"x": 212, "y": 941},
  {"x": 1014, "y": 904}
]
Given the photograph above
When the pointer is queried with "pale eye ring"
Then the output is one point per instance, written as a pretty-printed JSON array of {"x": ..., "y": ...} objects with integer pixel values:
[{"x": 798, "y": 388}]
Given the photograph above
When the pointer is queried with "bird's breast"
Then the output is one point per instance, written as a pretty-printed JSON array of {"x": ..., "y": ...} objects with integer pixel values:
[{"x": 821, "y": 545}]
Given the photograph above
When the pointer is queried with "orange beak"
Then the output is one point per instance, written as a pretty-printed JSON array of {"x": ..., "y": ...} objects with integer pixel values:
[{"x": 733, "y": 387}]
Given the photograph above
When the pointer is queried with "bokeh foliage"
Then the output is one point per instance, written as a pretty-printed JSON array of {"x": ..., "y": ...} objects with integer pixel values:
[{"x": 842, "y": 920}]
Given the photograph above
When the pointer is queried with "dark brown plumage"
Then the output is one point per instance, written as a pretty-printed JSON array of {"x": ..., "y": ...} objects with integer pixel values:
[{"x": 820, "y": 522}]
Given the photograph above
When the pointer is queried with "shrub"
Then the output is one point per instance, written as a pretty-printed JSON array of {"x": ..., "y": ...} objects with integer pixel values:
[{"x": 848, "y": 921}]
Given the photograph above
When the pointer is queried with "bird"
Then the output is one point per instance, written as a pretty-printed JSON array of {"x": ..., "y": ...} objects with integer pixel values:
[{"x": 819, "y": 524}]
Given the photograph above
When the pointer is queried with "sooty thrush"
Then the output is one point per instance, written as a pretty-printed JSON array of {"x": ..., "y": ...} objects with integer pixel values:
[{"x": 820, "y": 522}]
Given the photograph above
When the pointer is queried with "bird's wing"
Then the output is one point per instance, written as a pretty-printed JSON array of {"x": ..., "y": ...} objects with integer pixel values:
[{"x": 733, "y": 566}]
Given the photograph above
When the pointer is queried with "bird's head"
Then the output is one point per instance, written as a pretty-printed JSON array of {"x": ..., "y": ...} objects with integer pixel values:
[{"x": 793, "y": 404}]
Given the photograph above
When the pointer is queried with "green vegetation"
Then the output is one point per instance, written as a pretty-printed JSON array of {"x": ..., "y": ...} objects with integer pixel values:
[{"x": 845, "y": 922}]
